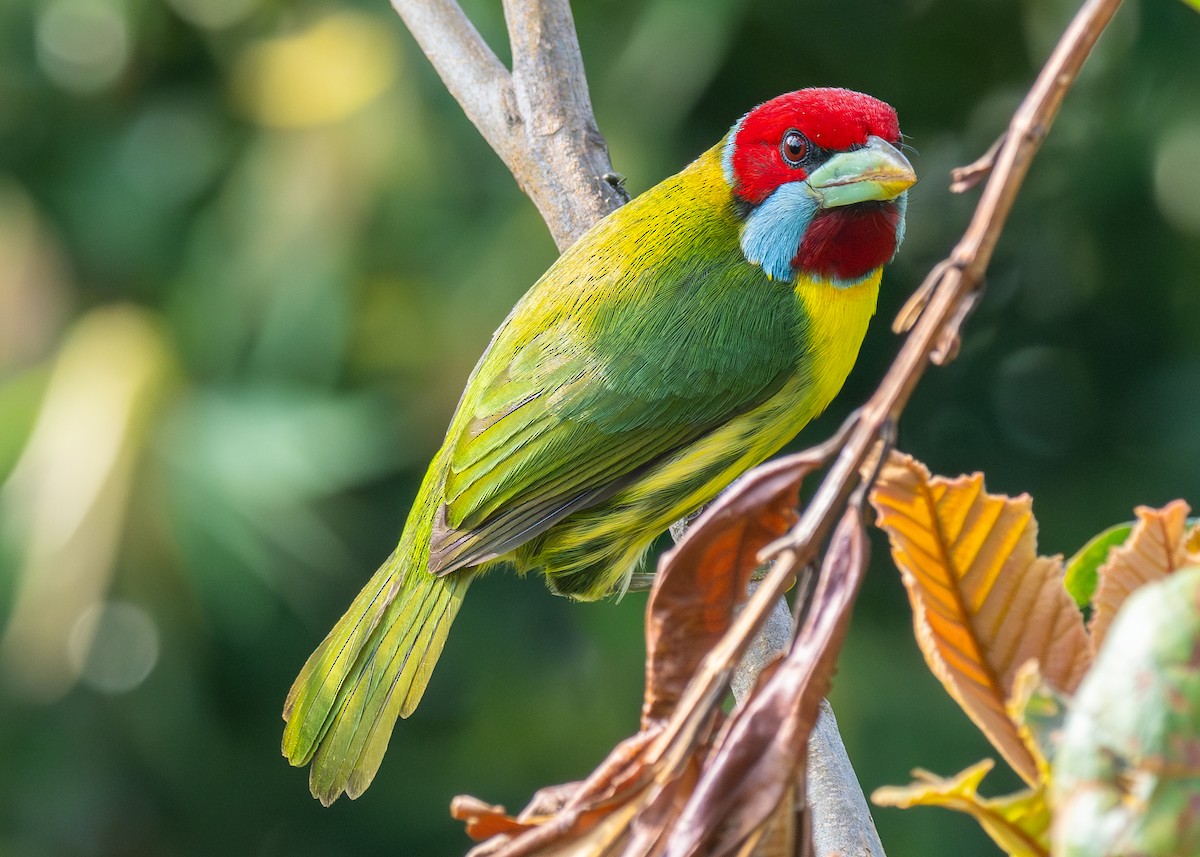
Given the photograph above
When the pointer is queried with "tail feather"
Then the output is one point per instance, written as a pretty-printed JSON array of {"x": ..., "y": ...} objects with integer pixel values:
[
  {"x": 372, "y": 668},
  {"x": 412, "y": 664},
  {"x": 331, "y": 666}
]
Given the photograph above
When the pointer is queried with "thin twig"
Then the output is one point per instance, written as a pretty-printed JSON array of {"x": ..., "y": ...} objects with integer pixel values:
[
  {"x": 552, "y": 95},
  {"x": 962, "y": 179}
]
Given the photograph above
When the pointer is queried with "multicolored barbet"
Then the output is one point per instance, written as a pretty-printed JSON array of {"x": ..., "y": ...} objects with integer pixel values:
[{"x": 683, "y": 339}]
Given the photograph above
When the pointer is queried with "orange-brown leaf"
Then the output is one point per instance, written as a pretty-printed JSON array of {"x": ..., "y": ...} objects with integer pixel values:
[
  {"x": 983, "y": 601},
  {"x": 618, "y": 811},
  {"x": 703, "y": 579},
  {"x": 483, "y": 820},
  {"x": 1157, "y": 546}
]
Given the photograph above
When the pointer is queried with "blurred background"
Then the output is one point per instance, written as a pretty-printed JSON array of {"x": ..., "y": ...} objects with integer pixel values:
[{"x": 249, "y": 251}]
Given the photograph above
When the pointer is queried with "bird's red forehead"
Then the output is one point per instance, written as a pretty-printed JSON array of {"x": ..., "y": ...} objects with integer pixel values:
[{"x": 833, "y": 119}]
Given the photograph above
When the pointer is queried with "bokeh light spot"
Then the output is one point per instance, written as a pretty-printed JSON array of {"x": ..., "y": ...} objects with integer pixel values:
[
  {"x": 317, "y": 76},
  {"x": 213, "y": 14},
  {"x": 113, "y": 646},
  {"x": 33, "y": 283},
  {"x": 1177, "y": 178},
  {"x": 83, "y": 45}
]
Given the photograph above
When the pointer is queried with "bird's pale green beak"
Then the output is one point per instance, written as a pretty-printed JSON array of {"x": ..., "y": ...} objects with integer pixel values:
[{"x": 876, "y": 171}]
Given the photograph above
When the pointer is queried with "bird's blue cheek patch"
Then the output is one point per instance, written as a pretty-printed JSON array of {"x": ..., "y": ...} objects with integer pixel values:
[{"x": 773, "y": 231}]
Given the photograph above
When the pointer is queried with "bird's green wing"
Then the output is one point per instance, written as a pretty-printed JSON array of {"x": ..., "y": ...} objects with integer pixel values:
[{"x": 614, "y": 379}]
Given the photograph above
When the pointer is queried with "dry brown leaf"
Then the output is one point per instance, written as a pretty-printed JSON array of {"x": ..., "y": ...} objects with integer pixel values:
[
  {"x": 692, "y": 606},
  {"x": 483, "y": 820},
  {"x": 627, "y": 806},
  {"x": 1156, "y": 547},
  {"x": 759, "y": 758},
  {"x": 599, "y": 832},
  {"x": 592, "y": 816},
  {"x": 983, "y": 601},
  {"x": 777, "y": 838}
]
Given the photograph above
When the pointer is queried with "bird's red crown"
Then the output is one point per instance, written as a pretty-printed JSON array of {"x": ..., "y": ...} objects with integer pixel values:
[{"x": 831, "y": 119}]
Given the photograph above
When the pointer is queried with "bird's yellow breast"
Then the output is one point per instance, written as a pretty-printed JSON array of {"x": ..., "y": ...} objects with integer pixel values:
[{"x": 837, "y": 318}]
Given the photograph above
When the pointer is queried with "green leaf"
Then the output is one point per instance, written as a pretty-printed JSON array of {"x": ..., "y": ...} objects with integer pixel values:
[
  {"x": 1195, "y": 4},
  {"x": 1081, "y": 578},
  {"x": 1126, "y": 776},
  {"x": 1081, "y": 575}
]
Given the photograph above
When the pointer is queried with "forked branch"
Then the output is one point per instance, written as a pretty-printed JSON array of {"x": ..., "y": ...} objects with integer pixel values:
[{"x": 538, "y": 117}]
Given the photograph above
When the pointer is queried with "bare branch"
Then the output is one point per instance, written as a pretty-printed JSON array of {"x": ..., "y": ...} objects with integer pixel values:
[
  {"x": 538, "y": 119},
  {"x": 771, "y": 643},
  {"x": 962, "y": 179},
  {"x": 841, "y": 819},
  {"x": 553, "y": 99},
  {"x": 470, "y": 69}
]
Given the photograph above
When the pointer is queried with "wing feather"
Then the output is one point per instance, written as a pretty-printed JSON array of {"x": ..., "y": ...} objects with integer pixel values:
[{"x": 598, "y": 374}]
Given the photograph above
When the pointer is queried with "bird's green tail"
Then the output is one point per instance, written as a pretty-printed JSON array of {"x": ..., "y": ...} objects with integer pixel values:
[{"x": 372, "y": 668}]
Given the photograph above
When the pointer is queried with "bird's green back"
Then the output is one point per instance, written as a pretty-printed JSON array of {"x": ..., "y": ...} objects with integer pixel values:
[{"x": 619, "y": 356}]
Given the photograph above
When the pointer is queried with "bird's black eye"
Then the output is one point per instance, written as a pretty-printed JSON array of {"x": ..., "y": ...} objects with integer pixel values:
[{"x": 794, "y": 147}]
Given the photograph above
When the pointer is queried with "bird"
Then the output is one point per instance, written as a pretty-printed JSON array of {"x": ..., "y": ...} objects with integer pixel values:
[{"x": 683, "y": 339}]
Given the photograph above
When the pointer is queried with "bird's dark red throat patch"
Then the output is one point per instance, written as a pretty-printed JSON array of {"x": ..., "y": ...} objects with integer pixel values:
[{"x": 849, "y": 242}]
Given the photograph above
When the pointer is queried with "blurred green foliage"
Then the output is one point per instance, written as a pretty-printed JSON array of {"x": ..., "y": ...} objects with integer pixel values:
[{"x": 249, "y": 251}]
